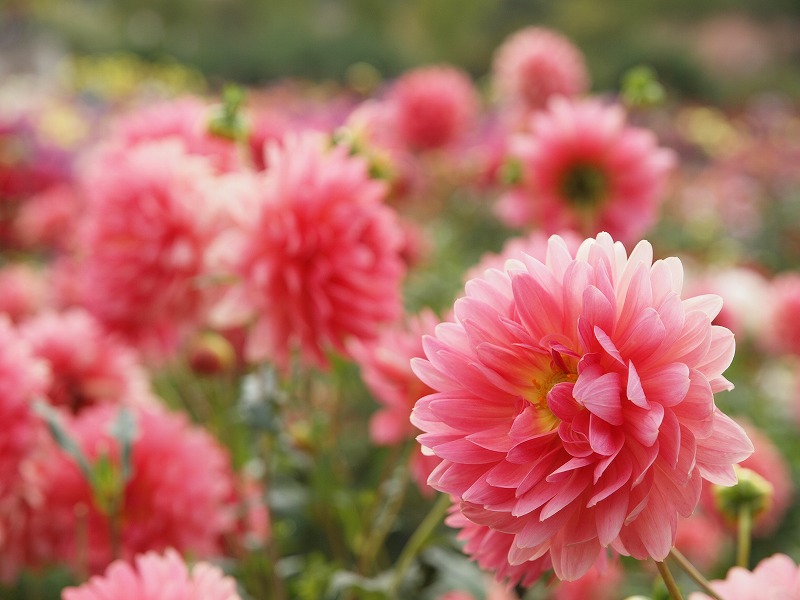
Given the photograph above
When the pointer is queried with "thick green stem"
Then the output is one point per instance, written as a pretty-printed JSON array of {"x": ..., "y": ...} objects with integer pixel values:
[
  {"x": 692, "y": 572},
  {"x": 669, "y": 581},
  {"x": 745, "y": 529},
  {"x": 418, "y": 539}
]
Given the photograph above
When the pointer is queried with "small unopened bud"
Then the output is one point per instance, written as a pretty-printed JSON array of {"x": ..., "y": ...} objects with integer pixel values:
[
  {"x": 641, "y": 88},
  {"x": 226, "y": 120},
  {"x": 211, "y": 353},
  {"x": 752, "y": 492}
]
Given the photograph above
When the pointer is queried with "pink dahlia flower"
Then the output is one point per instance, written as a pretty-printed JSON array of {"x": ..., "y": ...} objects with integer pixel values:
[
  {"x": 386, "y": 369},
  {"x": 49, "y": 219},
  {"x": 185, "y": 120},
  {"x": 535, "y": 64},
  {"x": 775, "y": 578},
  {"x": 156, "y": 577},
  {"x": 584, "y": 169},
  {"x": 781, "y": 334},
  {"x": 149, "y": 223},
  {"x": 315, "y": 251},
  {"x": 88, "y": 365},
  {"x": 177, "y": 496},
  {"x": 433, "y": 106},
  {"x": 574, "y": 405}
]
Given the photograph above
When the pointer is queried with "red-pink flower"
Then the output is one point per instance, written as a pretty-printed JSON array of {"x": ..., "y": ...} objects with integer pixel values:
[
  {"x": 775, "y": 578},
  {"x": 535, "y": 64},
  {"x": 185, "y": 120},
  {"x": 22, "y": 379},
  {"x": 87, "y": 364},
  {"x": 781, "y": 333},
  {"x": 575, "y": 403},
  {"x": 49, "y": 219},
  {"x": 584, "y": 169},
  {"x": 24, "y": 291},
  {"x": 386, "y": 369},
  {"x": 150, "y": 220},
  {"x": 433, "y": 106},
  {"x": 177, "y": 496},
  {"x": 316, "y": 253},
  {"x": 156, "y": 577}
]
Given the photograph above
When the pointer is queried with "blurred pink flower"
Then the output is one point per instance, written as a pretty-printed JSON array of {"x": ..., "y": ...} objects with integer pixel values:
[
  {"x": 88, "y": 365},
  {"x": 584, "y": 169},
  {"x": 767, "y": 461},
  {"x": 316, "y": 253},
  {"x": 150, "y": 220},
  {"x": 775, "y": 578},
  {"x": 781, "y": 333},
  {"x": 574, "y": 406},
  {"x": 177, "y": 496},
  {"x": 185, "y": 120},
  {"x": 23, "y": 378},
  {"x": 701, "y": 539},
  {"x": 25, "y": 291},
  {"x": 156, "y": 577},
  {"x": 49, "y": 219},
  {"x": 386, "y": 369},
  {"x": 433, "y": 106},
  {"x": 534, "y": 64}
]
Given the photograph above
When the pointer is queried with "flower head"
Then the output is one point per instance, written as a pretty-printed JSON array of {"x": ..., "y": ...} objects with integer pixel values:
[
  {"x": 88, "y": 365},
  {"x": 583, "y": 168},
  {"x": 535, "y": 64},
  {"x": 781, "y": 333},
  {"x": 433, "y": 106},
  {"x": 775, "y": 578},
  {"x": 316, "y": 254},
  {"x": 177, "y": 495},
  {"x": 153, "y": 576},
  {"x": 574, "y": 405},
  {"x": 24, "y": 291},
  {"x": 150, "y": 220}
]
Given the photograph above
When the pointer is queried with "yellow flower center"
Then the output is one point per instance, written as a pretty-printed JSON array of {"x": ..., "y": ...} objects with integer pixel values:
[{"x": 537, "y": 396}]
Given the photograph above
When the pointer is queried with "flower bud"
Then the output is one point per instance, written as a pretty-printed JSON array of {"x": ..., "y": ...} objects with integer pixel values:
[{"x": 752, "y": 491}]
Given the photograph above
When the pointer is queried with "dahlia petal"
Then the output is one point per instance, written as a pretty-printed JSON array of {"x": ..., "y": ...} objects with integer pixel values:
[
  {"x": 600, "y": 394},
  {"x": 608, "y": 345},
  {"x": 616, "y": 475},
  {"x": 668, "y": 384},
  {"x": 604, "y": 438},
  {"x": 431, "y": 376},
  {"x": 508, "y": 475},
  {"x": 539, "y": 310},
  {"x": 634, "y": 389},
  {"x": 727, "y": 444},
  {"x": 669, "y": 442},
  {"x": 567, "y": 492},
  {"x": 644, "y": 335},
  {"x": 710, "y": 304},
  {"x": 536, "y": 531},
  {"x": 643, "y": 424},
  {"x": 562, "y": 403},
  {"x": 464, "y": 413},
  {"x": 720, "y": 352},
  {"x": 571, "y": 561},
  {"x": 465, "y": 452},
  {"x": 656, "y": 526},
  {"x": 610, "y": 516}
]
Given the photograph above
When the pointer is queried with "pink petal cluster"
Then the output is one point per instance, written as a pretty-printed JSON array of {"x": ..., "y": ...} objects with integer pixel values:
[
  {"x": 184, "y": 120},
  {"x": 24, "y": 291},
  {"x": 535, "y": 64},
  {"x": 153, "y": 576},
  {"x": 584, "y": 169},
  {"x": 574, "y": 406},
  {"x": 781, "y": 334},
  {"x": 150, "y": 220},
  {"x": 88, "y": 365},
  {"x": 433, "y": 106},
  {"x": 775, "y": 578},
  {"x": 177, "y": 496},
  {"x": 315, "y": 252},
  {"x": 22, "y": 379},
  {"x": 386, "y": 369},
  {"x": 49, "y": 219}
]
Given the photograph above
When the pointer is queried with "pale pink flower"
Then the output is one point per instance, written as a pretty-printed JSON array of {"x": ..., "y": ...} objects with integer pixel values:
[
  {"x": 386, "y": 369},
  {"x": 433, "y": 107},
  {"x": 574, "y": 406},
  {"x": 185, "y": 120},
  {"x": 177, "y": 496},
  {"x": 781, "y": 333},
  {"x": 584, "y": 169},
  {"x": 87, "y": 364},
  {"x": 24, "y": 291},
  {"x": 535, "y": 64},
  {"x": 150, "y": 220},
  {"x": 156, "y": 577},
  {"x": 316, "y": 254},
  {"x": 775, "y": 578}
]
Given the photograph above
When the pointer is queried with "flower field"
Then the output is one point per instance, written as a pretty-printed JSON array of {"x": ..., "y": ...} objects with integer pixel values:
[{"x": 429, "y": 337}]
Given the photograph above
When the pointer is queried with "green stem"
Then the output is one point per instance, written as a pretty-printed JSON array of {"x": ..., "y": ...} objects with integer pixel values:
[
  {"x": 692, "y": 572},
  {"x": 743, "y": 542},
  {"x": 669, "y": 581},
  {"x": 418, "y": 539}
]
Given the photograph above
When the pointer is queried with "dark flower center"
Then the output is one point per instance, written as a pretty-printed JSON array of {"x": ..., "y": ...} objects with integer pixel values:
[{"x": 584, "y": 185}]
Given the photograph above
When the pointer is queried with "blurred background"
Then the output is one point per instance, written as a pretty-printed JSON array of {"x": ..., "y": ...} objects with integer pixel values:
[{"x": 717, "y": 51}]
